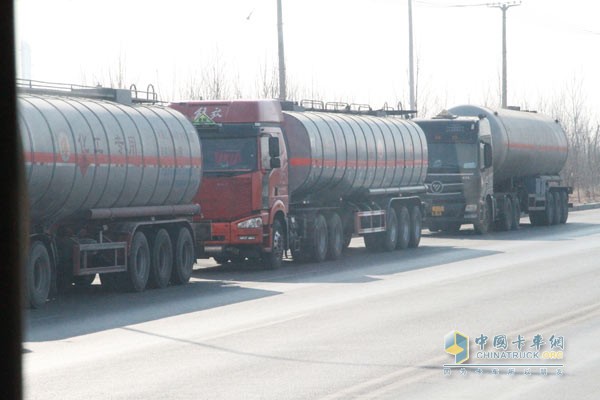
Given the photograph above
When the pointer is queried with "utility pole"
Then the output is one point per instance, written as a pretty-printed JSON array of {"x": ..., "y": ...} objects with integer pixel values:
[
  {"x": 411, "y": 74},
  {"x": 504, "y": 7},
  {"x": 282, "y": 90}
]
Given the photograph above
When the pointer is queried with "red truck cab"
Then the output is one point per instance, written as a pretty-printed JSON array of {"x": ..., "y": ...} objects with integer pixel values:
[{"x": 245, "y": 181}]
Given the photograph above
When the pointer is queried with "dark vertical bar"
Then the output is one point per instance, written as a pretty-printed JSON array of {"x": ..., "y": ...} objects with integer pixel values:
[{"x": 13, "y": 219}]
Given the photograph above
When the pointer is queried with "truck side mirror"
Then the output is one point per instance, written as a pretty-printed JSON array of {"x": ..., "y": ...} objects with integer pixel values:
[
  {"x": 274, "y": 147},
  {"x": 270, "y": 153},
  {"x": 275, "y": 162},
  {"x": 487, "y": 155}
]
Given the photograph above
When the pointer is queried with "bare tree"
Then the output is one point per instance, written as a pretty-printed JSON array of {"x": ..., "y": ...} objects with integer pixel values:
[
  {"x": 583, "y": 162},
  {"x": 214, "y": 78},
  {"x": 193, "y": 88},
  {"x": 267, "y": 85}
]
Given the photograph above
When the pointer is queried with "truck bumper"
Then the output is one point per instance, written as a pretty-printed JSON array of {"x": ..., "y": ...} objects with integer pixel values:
[
  {"x": 227, "y": 239},
  {"x": 441, "y": 213}
]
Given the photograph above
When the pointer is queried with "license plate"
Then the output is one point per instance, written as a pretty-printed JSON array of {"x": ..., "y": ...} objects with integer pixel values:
[{"x": 437, "y": 211}]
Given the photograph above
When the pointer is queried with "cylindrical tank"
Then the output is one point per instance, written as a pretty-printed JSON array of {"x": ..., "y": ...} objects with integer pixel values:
[
  {"x": 524, "y": 143},
  {"x": 336, "y": 155},
  {"x": 82, "y": 154}
]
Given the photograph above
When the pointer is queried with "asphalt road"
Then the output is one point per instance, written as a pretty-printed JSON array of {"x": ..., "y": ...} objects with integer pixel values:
[{"x": 368, "y": 326}]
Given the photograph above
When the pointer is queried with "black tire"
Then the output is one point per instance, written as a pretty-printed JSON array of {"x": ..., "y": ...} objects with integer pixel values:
[
  {"x": 84, "y": 280},
  {"x": 516, "y": 212},
  {"x": 506, "y": 219},
  {"x": 557, "y": 208},
  {"x": 184, "y": 257},
  {"x": 336, "y": 239},
  {"x": 404, "y": 231},
  {"x": 548, "y": 216},
  {"x": 389, "y": 238},
  {"x": 274, "y": 259},
  {"x": 564, "y": 202},
  {"x": 485, "y": 224},
  {"x": 416, "y": 225},
  {"x": 319, "y": 245},
  {"x": 347, "y": 238},
  {"x": 39, "y": 275},
  {"x": 162, "y": 259},
  {"x": 139, "y": 262}
]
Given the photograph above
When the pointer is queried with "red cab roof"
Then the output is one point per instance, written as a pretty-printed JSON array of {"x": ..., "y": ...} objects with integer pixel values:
[{"x": 232, "y": 111}]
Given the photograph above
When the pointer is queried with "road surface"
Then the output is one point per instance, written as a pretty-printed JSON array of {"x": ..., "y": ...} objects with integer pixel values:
[{"x": 368, "y": 326}]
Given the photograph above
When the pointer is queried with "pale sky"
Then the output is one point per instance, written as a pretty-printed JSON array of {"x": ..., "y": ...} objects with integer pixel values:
[{"x": 336, "y": 50}]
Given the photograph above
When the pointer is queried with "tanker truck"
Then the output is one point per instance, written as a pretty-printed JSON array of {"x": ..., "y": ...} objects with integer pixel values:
[
  {"x": 488, "y": 167},
  {"x": 110, "y": 186},
  {"x": 278, "y": 179}
]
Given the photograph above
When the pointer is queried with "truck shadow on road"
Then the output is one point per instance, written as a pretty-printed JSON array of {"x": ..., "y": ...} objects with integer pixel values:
[
  {"x": 526, "y": 231},
  {"x": 357, "y": 265},
  {"x": 93, "y": 309},
  {"x": 89, "y": 310}
]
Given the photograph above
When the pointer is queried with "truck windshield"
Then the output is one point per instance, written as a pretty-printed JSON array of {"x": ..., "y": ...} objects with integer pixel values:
[
  {"x": 452, "y": 157},
  {"x": 229, "y": 155}
]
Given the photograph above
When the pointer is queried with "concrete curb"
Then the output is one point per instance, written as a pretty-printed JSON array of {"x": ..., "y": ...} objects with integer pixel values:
[{"x": 586, "y": 206}]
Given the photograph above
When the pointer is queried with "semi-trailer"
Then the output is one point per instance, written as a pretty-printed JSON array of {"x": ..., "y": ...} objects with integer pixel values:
[
  {"x": 487, "y": 167},
  {"x": 110, "y": 184},
  {"x": 278, "y": 179}
]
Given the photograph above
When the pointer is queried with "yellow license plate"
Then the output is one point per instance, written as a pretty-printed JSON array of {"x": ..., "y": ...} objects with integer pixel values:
[{"x": 437, "y": 211}]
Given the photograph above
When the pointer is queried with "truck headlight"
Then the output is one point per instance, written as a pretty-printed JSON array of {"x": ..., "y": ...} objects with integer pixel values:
[
  {"x": 250, "y": 223},
  {"x": 471, "y": 208}
]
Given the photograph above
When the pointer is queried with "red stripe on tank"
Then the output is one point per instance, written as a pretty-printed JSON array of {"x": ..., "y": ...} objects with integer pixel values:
[
  {"x": 527, "y": 146},
  {"x": 114, "y": 159},
  {"x": 307, "y": 162}
]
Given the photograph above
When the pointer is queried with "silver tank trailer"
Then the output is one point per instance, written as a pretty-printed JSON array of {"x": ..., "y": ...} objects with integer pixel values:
[
  {"x": 339, "y": 154},
  {"x": 82, "y": 154},
  {"x": 524, "y": 143}
]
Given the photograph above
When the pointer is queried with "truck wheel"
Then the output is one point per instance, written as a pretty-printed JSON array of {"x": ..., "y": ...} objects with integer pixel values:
[
  {"x": 389, "y": 238},
  {"x": 347, "y": 238},
  {"x": 162, "y": 259},
  {"x": 483, "y": 226},
  {"x": 557, "y": 208},
  {"x": 403, "y": 228},
  {"x": 183, "y": 258},
  {"x": 415, "y": 227},
  {"x": 516, "y": 213},
  {"x": 39, "y": 275},
  {"x": 564, "y": 202},
  {"x": 319, "y": 240},
  {"x": 548, "y": 216},
  {"x": 506, "y": 221},
  {"x": 336, "y": 236},
  {"x": 274, "y": 259},
  {"x": 139, "y": 262}
]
